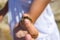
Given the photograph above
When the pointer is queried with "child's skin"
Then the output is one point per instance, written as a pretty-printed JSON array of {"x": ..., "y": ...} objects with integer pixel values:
[
  {"x": 36, "y": 8},
  {"x": 34, "y": 12}
]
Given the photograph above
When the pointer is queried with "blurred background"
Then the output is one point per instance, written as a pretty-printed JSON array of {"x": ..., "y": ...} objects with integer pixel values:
[{"x": 4, "y": 28}]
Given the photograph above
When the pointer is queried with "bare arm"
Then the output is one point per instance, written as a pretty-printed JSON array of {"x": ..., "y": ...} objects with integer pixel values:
[{"x": 37, "y": 8}]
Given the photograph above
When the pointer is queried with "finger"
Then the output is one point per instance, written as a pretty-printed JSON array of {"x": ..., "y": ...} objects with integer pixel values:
[
  {"x": 21, "y": 33},
  {"x": 28, "y": 37},
  {"x": 30, "y": 27}
]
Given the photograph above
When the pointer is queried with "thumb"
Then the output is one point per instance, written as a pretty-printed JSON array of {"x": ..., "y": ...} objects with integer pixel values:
[
  {"x": 28, "y": 37},
  {"x": 31, "y": 29}
]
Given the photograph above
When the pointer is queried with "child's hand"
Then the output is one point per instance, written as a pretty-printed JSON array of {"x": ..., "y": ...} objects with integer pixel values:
[
  {"x": 21, "y": 33},
  {"x": 30, "y": 29}
]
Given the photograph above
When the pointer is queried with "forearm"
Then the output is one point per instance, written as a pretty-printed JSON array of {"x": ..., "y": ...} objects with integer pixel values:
[
  {"x": 36, "y": 8},
  {"x": 4, "y": 10}
]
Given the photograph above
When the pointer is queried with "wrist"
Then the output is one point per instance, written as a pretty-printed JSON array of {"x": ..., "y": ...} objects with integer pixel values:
[{"x": 28, "y": 16}]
